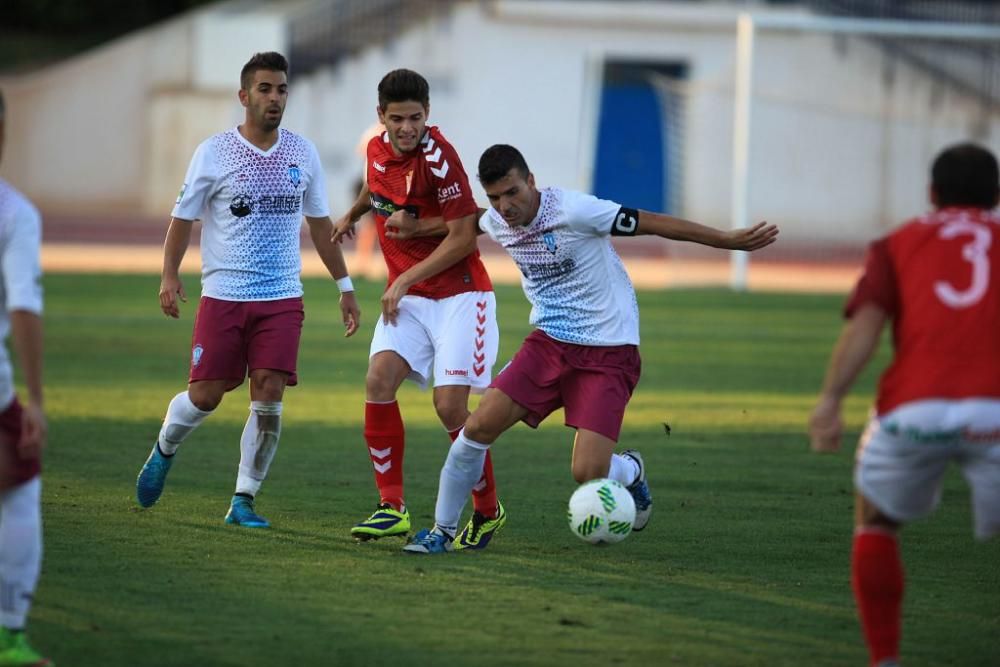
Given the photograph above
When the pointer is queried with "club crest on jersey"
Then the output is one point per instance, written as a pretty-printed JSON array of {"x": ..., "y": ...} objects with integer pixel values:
[
  {"x": 550, "y": 242},
  {"x": 294, "y": 174},
  {"x": 196, "y": 353}
]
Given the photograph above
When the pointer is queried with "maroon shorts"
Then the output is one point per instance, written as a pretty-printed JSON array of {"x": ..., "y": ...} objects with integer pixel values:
[
  {"x": 593, "y": 383},
  {"x": 17, "y": 470},
  {"x": 232, "y": 337}
]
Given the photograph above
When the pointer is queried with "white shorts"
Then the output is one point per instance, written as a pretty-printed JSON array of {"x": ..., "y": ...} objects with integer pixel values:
[
  {"x": 903, "y": 455},
  {"x": 455, "y": 338}
]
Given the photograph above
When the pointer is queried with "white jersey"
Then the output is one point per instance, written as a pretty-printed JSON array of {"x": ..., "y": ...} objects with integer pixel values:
[
  {"x": 251, "y": 204},
  {"x": 20, "y": 271},
  {"x": 576, "y": 283}
]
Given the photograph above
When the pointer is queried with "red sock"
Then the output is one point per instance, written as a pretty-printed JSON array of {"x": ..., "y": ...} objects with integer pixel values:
[
  {"x": 877, "y": 580},
  {"x": 385, "y": 437},
  {"x": 484, "y": 493}
]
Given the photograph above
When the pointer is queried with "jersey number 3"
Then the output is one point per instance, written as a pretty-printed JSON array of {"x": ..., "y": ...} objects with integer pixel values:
[{"x": 974, "y": 252}]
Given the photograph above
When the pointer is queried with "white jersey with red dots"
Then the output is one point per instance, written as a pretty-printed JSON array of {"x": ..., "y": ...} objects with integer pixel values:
[
  {"x": 578, "y": 288},
  {"x": 251, "y": 204},
  {"x": 20, "y": 271}
]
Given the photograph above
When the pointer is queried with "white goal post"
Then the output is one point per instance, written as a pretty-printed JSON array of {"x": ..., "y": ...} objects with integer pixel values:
[{"x": 747, "y": 25}]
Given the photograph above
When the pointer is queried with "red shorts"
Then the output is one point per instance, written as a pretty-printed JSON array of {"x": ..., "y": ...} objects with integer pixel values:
[
  {"x": 232, "y": 337},
  {"x": 593, "y": 383},
  {"x": 16, "y": 469}
]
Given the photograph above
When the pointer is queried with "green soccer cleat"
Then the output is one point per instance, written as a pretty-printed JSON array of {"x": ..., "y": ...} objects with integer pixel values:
[
  {"x": 480, "y": 530},
  {"x": 16, "y": 652},
  {"x": 387, "y": 521}
]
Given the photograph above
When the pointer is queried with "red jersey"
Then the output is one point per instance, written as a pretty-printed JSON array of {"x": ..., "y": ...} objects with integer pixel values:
[
  {"x": 938, "y": 279},
  {"x": 428, "y": 182}
]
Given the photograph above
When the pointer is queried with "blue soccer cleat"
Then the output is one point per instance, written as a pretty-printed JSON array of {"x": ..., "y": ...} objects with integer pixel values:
[
  {"x": 152, "y": 477},
  {"x": 640, "y": 492},
  {"x": 241, "y": 513},
  {"x": 433, "y": 541}
]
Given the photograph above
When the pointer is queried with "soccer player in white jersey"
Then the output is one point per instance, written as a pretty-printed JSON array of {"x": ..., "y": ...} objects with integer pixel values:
[
  {"x": 22, "y": 429},
  {"x": 583, "y": 355},
  {"x": 250, "y": 186},
  {"x": 937, "y": 278}
]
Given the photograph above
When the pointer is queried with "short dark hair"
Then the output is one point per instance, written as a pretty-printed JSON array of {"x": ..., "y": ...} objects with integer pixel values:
[
  {"x": 966, "y": 175},
  {"x": 271, "y": 61},
  {"x": 403, "y": 85},
  {"x": 497, "y": 160}
]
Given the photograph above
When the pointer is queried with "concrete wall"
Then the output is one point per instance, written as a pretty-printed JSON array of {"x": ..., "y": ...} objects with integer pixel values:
[
  {"x": 114, "y": 128},
  {"x": 841, "y": 137},
  {"x": 839, "y": 150}
]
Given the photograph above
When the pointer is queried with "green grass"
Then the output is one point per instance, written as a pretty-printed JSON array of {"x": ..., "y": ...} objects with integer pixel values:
[{"x": 745, "y": 561}]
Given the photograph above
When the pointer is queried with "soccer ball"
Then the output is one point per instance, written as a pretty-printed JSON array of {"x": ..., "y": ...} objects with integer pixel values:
[{"x": 601, "y": 511}]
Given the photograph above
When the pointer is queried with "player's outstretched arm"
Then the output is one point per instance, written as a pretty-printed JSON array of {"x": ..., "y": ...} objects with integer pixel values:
[
  {"x": 857, "y": 343},
  {"x": 344, "y": 226},
  {"x": 174, "y": 247},
  {"x": 26, "y": 331},
  {"x": 320, "y": 231},
  {"x": 402, "y": 225},
  {"x": 460, "y": 242},
  {"x": 678, "y": 229}
]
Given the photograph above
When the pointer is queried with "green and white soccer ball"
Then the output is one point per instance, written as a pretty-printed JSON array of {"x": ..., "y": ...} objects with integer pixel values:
[{"x": 601, "y": 511}]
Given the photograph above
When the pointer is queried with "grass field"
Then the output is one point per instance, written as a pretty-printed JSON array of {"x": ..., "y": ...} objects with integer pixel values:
[{"x": 745, "y": 561}]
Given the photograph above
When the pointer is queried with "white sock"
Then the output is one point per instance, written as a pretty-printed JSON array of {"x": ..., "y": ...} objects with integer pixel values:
[
  {"x": 182, "y": 418},
  {"x": 462, "y": 469},
  {"x": 258, "y": 445},
  {"x": 20, "y": 551},
  {"x": 623, "y": 469}
]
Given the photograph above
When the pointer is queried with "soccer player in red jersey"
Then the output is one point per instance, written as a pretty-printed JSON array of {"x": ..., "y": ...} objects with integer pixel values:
[
  {"x": 438, "y": 321},
  {"x": 23, "y": 429},
  {"x": 937, "y": 280}
]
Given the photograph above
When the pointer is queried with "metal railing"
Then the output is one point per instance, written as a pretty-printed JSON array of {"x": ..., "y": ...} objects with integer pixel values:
[{"x": 324, "y": 32}]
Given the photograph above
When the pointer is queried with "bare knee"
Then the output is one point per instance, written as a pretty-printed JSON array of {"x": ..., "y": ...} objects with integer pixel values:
[
  {"x": 385, "y": 373},
  {"x": 206, "y": 396},
  {"x": 867, "y": 515},
  {"x": 481, "y": 430},
  {"x": 451, "y": 411},
  {"x": 267, "y": 385}
]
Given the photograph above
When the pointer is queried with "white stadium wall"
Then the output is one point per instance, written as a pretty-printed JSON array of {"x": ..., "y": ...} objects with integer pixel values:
[
  {"x": 838, "y": 153},
  {"x": 113, "y": 129},
  {"x": 76, "y": 135}
]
